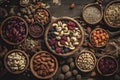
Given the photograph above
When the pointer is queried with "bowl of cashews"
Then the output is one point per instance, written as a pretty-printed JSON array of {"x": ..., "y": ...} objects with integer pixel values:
[{"x": 64, "y": 36}]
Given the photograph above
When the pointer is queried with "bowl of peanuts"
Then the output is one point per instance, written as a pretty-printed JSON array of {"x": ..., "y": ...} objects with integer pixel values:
[
  {"x": 99, "y": 37},
  {"x": 43, "y": 65},
  {"x": 85, "y": 61},
  {"x": 16, "y": 61},
  {"x": 64, "y": 36}
]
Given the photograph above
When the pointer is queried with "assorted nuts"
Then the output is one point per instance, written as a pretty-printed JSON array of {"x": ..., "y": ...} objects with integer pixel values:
[
  {"x": 64, "y": 36},
  {"x": 36, "y": 30},
  {"x": 86, "y": 61},
  {"x": 14, "y": 30},
  {"x": 112, "y": 14},
  {"x": 42, "y": 16},
  {"x": 92, "y": 13},
  {"x": 16, "y": 61},
  {"x": 30, "y": 45},
  {"x": 44, "y": 65},
  {"x": 99, "y": 37},
  {"x": 107, "y": 65}
]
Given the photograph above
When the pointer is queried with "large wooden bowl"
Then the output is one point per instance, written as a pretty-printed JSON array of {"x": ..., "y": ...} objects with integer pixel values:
[
  {"x": 7, "y": 67},
  {"x": 80, "y": 41}
]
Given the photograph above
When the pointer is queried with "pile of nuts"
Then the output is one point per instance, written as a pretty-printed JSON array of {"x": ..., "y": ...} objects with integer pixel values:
[
  {"x": 112, "y": 14},
  {"x": 64, "y": 36},
  {"x": 99, "y": 37},
  {"x": 92, "y": 14},
  {"x": 14, "y": 29},
  {"x": 86, "y": 61},
  {"x": 43, "y": 64},
  {"x": 42, "y": 16},
  {"x": 107, "y": 65},
  {"x": 30, "y": 45},
  {"x": 16, "y": 61},
  {"x": 36, "y": 30}
]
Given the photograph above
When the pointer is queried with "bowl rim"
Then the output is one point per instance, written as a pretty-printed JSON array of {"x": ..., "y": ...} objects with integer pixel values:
[
  {"x": 7, "y": 41},
  {"x": 91, "y": 39},
  {"x": 92, "y": 54},
  {"x": 25, "y": 55},
  {"x": 71, "y": 52},
  {"x": 49, "y": 17},
  {"x": 110, "y": 3},
  {"x": 34, "y": 36},
  {"x": 113, "y": 58},
  {"x": 95, "y": 5},
  {"x": 35, "y": 74}
]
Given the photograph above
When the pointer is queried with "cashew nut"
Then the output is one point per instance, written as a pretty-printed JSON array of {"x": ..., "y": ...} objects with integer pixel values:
[
  {"x": 59, "y": 23},
  {"x": 55, "y": 25},
  {"x": 67, "y": 33},
  {"x": 61, "y": 33},
  {"x": 68, "y": 39},
  {"x": 58, "y": 37},
  {"x": 56, "y": 33},
  {"x": 75, "y": 43},
  {"x": 59, "y": 44},
  {"x": 74, "y": 38}
]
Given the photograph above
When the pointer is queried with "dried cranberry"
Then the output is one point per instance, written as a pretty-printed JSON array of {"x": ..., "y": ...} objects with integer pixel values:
[
  {"x": 52, "y": 41},
  {"x": 64, "y": 38},
  {"x": 62, "y": 42},
  {"x": 58, "y": 50}
]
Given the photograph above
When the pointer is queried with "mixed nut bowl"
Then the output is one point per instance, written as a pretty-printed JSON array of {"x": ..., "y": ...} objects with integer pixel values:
[{"x": 64, "y": 36}]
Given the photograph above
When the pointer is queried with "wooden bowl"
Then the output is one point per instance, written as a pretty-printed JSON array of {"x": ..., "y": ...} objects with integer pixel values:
[
  {"x": 98, "y": 6},
  {"x": 35, "y": 32},
  {"x": 3, "y": 24},
  {"x": 35, "y": 73},
  {"x": 57, "y": 43},
  {"x": 6, "y": 65},
  {"x": 107, "y": 56},
  {"x": 102, "y": 45},
  {"x": 109, "y": 21},
  {"x": 82, "y": 52},
  {"x": 37, "y": 19}
]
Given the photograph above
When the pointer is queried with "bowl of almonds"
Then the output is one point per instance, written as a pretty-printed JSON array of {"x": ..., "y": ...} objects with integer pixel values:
[
  {"x": 99, "y": 37},
  {"x": 64, "y": 36},
  {"x": 16, "y": 61},
  {"x": 43, "y": 65},
  {"x": 85, "y": 61}
]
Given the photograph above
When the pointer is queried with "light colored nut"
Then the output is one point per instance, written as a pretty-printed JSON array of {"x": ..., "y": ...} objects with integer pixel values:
[
  {"x": 56, "y": 33},
  {"x": 59, "y": 44}
]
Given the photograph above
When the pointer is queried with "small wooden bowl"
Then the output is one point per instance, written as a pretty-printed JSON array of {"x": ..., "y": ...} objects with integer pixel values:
[
  {"x": 98, "y": 46},
  {"x": 80, "y": 41},
  {"x": 105, "y": 56},
  {"x": 76, "y": 62},
  {"x": 34, "y": 72},
  {"x": 96, "y": 5},
  {"x": 16, "y": 72},
  {"x": 106, "y": 16},
  {"x": 35, "y": 35},
  {"x": 49, "y": 16},
  {"x": 3, "y": 23}
]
